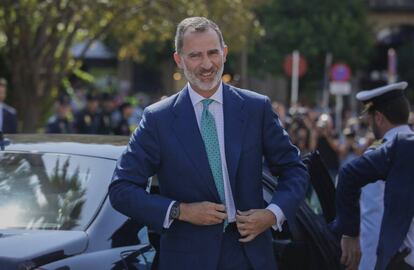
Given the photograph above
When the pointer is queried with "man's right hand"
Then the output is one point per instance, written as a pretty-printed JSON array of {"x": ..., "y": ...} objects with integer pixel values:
[
  {"x": 202, "y": 213},
  {"x": 351, "y": 252}
]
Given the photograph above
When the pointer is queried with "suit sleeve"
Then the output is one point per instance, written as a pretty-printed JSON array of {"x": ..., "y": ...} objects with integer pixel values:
[
  {"x": 285, "y": 163},
  {"x": 353, "y": 176},
  {"x": 140, "y": 161}
]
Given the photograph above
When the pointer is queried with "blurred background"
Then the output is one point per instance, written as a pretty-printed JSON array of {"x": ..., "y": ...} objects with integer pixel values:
[{"x": 92, "y": 66}]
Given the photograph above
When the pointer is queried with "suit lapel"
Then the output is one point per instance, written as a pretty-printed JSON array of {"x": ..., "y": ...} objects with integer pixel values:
[
  {"x": 234, "y": 126},
  {"x": 186, "y": 129}
]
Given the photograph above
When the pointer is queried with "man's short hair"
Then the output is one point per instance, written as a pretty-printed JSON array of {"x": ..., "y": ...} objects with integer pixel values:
[
  {"x": 388, "y": 100},
  {"x": 196, "y": 24},
  {"x": 397, "y": 110},
  {"x": 3, "y": 82}
]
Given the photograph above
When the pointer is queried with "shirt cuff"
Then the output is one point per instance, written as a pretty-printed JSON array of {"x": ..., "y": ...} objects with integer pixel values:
[
  {"x": 167, "y": 221},
  {"x": 280, "y": 217}
]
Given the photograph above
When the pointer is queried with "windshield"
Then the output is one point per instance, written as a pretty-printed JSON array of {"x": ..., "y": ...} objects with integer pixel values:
[{"x": 51, "y": 191}]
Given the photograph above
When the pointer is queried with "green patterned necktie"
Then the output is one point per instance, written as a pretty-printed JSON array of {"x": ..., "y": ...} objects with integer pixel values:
[{"x": 210, "y": 138}]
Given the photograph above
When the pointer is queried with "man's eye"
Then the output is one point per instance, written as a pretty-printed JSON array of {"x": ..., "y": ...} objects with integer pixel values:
[
  {"x": 214, "y": 53},
  {"x": 194, "y": 56}
]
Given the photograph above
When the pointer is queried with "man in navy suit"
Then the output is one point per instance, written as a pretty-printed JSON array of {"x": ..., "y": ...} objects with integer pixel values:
[
  {"x": 394, "y": 163},
  {"x": 8, "y": 116},
  {"x": 206, "y": 144}
]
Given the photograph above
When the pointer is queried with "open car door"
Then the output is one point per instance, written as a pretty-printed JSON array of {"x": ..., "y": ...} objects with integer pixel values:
[{"x": 308, "y": 244}]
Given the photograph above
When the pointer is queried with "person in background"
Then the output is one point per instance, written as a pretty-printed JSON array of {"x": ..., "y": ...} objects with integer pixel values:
[
  {"x": 61, "y": 121},
  {"x": 387, "y": 110},
  {"x": 349, "y": 148},
  {"x": 326, "y": 141},
  {"x": 88, "y": 120},
  {"x": 123, "y": 128},
  {"x": 107, "y": 114},
  {"x": 393, "y": 163},
  {"x": 280, "y": 110},
  {"x": 8, "y": 114}
]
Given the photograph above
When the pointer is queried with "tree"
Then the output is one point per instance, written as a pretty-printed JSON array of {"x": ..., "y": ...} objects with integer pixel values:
[
  {"x": 315, "y": 28},
  {"x": 38, "y": 34}
]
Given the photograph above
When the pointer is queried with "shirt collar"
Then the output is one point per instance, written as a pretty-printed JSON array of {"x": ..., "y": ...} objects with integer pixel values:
[
  {"x": 392, "y": 132},
  {"x": 196, "y": 98}
]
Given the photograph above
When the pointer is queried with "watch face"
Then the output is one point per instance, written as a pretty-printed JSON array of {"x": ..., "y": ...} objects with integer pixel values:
[{"x": 175, "y": 211}]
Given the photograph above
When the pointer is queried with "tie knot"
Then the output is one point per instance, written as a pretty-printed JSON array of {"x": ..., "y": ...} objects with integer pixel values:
[{"x": 206, "y": 102}]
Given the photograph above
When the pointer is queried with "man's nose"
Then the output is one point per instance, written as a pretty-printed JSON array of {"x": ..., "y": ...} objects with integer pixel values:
[{"x": 206, "y": 62}]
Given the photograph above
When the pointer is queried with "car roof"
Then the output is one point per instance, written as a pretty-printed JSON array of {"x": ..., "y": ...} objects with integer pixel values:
[{"x": 103, "y": 146}]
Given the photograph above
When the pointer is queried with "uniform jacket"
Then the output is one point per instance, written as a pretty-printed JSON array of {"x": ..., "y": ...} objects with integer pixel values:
[
  {"x": 393, "y": 163},
  {"x": 59, "y": 125},
  {"x": 372, "y": 209}
]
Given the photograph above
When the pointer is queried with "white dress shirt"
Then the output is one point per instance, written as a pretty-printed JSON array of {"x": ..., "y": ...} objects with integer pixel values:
[
  {"x": 216, "y": 109},
  {"x": 372, "y": 209}
]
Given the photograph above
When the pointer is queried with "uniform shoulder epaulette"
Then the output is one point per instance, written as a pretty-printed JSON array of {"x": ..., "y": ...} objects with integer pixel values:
[{"x": 376, "y": 144}]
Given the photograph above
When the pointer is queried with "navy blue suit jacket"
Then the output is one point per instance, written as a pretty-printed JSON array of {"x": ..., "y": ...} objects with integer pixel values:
[
  {"x": 394, "y": 163},
  {"x": 168, "y": 143},
  {"x": 9, "y": 119}
]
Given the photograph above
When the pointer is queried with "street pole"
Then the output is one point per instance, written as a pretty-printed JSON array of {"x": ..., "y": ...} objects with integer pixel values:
[
  {"x": 338, "y": 112},
  {"x": 392, "y": 66},
  {"x": 325, "y": 90},
  {"x": 295, "y": 78}
]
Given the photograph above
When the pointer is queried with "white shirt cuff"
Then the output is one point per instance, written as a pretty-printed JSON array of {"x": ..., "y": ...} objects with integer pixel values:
[
  {"x": 167, "y": 221},
  {"x": 280, "y": 217}
]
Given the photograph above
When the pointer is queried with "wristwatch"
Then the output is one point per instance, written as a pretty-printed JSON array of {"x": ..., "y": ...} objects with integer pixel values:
[{"x": 175, "y": 211}]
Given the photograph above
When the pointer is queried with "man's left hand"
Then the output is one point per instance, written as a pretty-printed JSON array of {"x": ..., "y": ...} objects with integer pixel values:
[
  {"x": 351, "y": 252},
  {"x": 253, "y": 222}
]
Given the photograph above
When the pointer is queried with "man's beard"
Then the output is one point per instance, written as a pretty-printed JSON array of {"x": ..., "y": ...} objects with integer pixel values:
[{"x": 203, "y": 86}]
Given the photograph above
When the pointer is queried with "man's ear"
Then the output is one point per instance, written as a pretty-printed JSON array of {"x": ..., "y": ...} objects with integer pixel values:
[
  {"x": 178, "y": 60},
  {"x": 225, "y": 51},
  {"x": 379, "y": 117}
]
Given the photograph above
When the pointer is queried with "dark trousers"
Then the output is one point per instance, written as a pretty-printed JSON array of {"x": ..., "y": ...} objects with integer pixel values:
[
  {"x": 402, "y": 265},
  {"x": 398, "y": 263},
  {"x": 232, "y": 254}
]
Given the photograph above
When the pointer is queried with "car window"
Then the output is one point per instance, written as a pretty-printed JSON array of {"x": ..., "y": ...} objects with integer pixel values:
[
  {"x": 51, "y": 191},
  {"x": 313, "y": 202}
]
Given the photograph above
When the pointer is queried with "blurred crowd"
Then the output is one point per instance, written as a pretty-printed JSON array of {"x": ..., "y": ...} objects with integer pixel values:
[
  {"x": 314, "y": 129},
  {"x": 91, "y": 113}
]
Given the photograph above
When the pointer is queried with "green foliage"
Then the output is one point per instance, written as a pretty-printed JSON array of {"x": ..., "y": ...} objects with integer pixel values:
[
  {"x": 315, "y": 28},
  {"x": 156, "y": 24},
  {"x": 36, "y": 37}
]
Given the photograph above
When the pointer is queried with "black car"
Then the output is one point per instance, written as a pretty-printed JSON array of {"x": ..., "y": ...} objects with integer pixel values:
[
  {"x": 55, "y": 212},
  {"x": 54, "y": 205}
]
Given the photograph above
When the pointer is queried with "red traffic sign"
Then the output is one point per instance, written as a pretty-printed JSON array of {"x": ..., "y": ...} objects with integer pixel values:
[
  {"x": 340, "y": 72},
  {"x": 288, "y": 63}
]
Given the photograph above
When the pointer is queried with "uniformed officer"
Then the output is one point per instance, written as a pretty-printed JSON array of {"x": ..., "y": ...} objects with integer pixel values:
[
  {"x": 61, "y": 121},
  {"x": 8, "y": 115},
  {"x": 392, "y": 162},
  {"x": 107, "y": 122},
  {"x": 123, "y": 127},
  {"x": 88, "y": 120},
  {"x": 387, "y": 110}
]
